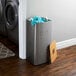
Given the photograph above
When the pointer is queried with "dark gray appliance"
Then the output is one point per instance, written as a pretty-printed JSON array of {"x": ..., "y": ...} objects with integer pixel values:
[
  {"x": 3, "y": 30},
  {"x": 11, "y": 18},
  {"x": 38, "y": 40}
]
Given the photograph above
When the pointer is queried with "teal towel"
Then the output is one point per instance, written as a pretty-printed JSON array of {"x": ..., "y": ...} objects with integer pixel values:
[{"x": 37, "y": 19}]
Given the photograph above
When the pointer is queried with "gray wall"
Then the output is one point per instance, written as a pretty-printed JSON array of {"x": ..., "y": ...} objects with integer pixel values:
[{"x": 62, "y": 13}]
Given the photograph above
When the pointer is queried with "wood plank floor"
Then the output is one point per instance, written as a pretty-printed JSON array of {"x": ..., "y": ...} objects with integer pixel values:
[{"x": 65, "y": 65}]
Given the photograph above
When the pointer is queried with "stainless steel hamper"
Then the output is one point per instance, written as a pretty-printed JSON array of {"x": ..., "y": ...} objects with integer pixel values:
[{"x": 38, "y": 39}]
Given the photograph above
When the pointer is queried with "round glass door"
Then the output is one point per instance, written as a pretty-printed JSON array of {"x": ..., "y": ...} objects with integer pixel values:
[{"x": 11, "y": 15}]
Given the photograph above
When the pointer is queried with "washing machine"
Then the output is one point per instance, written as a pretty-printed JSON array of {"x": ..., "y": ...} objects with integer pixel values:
[
  {"x": 3, "y": 30},
  {"x": 11, "y": 19}
]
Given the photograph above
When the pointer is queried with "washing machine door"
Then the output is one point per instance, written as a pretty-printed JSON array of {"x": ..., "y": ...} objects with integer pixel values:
[
  {"x": 11, "y": 15},
  {"x": 1, "y": 11}
]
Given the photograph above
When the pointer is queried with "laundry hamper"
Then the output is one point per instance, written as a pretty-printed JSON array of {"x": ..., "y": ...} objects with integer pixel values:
[{"x": 38, "y": 40}]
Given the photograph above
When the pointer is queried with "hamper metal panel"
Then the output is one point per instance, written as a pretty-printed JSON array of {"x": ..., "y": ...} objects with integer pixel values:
[
  {"x": 38, "y": 39},
  {"x": 43, "y": 39},
  {"x": 30, "y": 42}
]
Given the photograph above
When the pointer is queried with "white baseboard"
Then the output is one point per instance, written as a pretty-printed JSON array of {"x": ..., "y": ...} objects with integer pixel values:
[{"x": 66, "y": 43}]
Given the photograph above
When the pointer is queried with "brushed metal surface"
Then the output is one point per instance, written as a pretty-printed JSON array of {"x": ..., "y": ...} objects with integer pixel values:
[
  {"x": 30, "y": 42},
  {"x": 38, "y": 39},
  {"x": 43, "y": 40}
]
